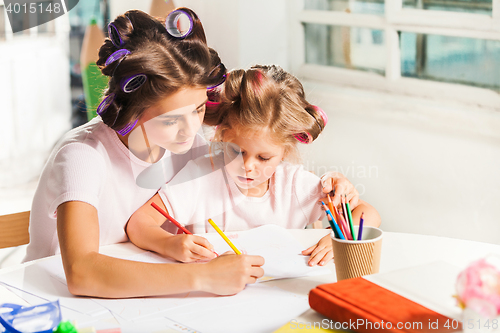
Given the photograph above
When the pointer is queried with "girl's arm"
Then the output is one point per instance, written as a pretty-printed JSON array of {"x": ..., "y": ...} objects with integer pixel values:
[
  {"x": 144, "y": 230},
  {"x": 89, "y": 273},
  {"x": 371, "y": 216},
  {"x": 322, "y": 252}
]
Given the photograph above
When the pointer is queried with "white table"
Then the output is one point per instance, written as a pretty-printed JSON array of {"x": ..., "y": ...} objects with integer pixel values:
[{"x": 398, "y": 251}]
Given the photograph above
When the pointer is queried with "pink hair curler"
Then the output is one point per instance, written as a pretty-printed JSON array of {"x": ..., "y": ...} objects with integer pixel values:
[{"x": 306, "y": 137}]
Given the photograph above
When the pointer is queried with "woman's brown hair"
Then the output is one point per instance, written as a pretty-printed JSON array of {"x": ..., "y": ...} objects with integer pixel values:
[
  {"x": 169, "y": 63},
  {"x": 265, "y": 97}
]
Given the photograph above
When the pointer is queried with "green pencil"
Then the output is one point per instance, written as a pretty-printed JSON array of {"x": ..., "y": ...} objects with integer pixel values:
[{"x": 350, "y": 218}]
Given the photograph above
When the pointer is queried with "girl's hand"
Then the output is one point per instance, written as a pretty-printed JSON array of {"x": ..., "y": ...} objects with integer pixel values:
[
  {"x": 188, "y": 248},
  {"x": 321, "y": 253},
  {"x": 230, "y": 273},
  {"x": 342, "y": 186}
]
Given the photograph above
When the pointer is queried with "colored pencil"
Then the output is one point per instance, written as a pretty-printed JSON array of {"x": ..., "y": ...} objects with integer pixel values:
[
  {"x": 330, "y": 220},
  {"x": 171, "y": 219},
  {"x": 349, "y": 217},
  {"x": 224, "y": 236},
  {"x": 333, "y": 224},
  {"x": 360, "y": 231},
  {"x": 330, "y": 203},
  {"x": 333, "y": 209},
  {"x": 345, "y": 226}
]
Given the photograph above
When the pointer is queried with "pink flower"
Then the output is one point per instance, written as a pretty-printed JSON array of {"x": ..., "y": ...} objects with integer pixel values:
[{"x": 478, "y": 287}]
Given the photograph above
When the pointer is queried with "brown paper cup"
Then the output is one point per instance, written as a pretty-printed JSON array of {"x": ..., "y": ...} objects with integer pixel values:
[{"x": 357, "y": 258}]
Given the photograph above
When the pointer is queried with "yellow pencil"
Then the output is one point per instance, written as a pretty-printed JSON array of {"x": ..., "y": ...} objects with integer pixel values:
[{"x": 224, "y": 236}]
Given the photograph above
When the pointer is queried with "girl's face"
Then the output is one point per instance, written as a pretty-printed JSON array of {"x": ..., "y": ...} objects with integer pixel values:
[
  {"x": 173, "y": 122},
  {"x": 260, "y": 156}
]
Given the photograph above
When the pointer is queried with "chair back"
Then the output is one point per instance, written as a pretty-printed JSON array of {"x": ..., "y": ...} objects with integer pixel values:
[{"x": 14, "y": 229}]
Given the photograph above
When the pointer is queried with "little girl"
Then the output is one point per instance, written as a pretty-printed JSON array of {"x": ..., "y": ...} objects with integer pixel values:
[{"x": 261, "y": 116}]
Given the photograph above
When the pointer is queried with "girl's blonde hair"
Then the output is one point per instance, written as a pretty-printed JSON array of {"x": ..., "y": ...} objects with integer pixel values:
[{"x": 265, "y": 97}]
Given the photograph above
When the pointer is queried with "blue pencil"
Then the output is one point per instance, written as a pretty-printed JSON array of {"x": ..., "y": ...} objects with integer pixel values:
[
  {"x": 360, "y": 231},
  {"x": 333, "y": 224}
]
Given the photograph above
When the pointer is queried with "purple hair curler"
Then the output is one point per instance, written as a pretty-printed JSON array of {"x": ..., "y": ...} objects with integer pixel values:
[
  {"x": 172, "y": 24},
  {"x": 114, "y": 35},
  {"x": 124, "y": 131},
  {"x": 106, "y": 102},
  {"x": 117, "y": 55},
  {"x": 218, "y": 84},
  {"x": 132, "y": 83}
]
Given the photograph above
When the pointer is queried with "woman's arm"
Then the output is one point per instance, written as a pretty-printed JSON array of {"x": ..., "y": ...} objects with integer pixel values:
[
  {"x": 144, "y": 230},
  {"x": 89, "y": 273}
]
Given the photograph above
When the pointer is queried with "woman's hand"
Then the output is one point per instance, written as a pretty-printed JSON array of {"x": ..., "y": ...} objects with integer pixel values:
[
  {"x": 335, "y": 181},
  {"x": 321, "y": 253},
  {"x": 230, "y": 273},
  {"x": 188, "y": 248}
]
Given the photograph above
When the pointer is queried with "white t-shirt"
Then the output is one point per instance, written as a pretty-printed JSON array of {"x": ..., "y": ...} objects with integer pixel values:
[
  {"x": 91, "y": 164},
  {"x": 204, "y": 190}
]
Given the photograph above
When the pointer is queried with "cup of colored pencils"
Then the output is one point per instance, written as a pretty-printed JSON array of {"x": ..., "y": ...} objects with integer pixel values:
[{"x": 360, "y": 257}]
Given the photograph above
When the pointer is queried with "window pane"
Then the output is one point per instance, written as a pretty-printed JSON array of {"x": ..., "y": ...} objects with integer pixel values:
[
  {"x": 468, "y": 61},
  {"x": 467, "y": 6},
  {"x": 352, "y": 6},
  {"x": 355, "y": 48}
]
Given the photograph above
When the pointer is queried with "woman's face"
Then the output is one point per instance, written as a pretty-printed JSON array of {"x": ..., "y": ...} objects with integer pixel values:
[{"x": 173, "y": 122}]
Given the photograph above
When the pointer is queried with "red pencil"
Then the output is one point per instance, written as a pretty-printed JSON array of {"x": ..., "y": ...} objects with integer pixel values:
[{"x": 171, "y": 219}]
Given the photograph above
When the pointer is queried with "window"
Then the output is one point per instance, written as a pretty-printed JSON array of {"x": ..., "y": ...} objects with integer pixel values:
[
  {"x": 461, "y": 60},
  {"x": 347, "y": 47},
  {"x": 425, "y": 47}
]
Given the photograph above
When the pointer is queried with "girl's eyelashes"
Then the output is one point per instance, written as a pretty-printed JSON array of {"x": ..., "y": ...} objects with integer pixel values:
[{"x": 264, "y": 159}]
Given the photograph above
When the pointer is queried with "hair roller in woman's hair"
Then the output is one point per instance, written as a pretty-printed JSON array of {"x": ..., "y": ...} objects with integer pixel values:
[{"x": 179, "y": 24}]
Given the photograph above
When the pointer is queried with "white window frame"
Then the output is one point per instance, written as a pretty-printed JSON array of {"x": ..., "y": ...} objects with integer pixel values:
[{"x": 396, "y": 18}]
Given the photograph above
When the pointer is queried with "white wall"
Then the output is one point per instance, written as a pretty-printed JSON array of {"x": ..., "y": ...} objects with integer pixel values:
[{"x": 429, "y": 167}]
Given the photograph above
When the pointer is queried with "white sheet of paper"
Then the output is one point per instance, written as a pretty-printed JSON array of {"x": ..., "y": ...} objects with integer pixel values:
[
  {"x": 38, "y": 280},
  {"x": 431, "y": 285},
  {"x": 281, "y": 251},
  {"x": 255, "y": 307},
  {"x": 137, "y": 309},
  {"x": 279, "y": 248}
]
